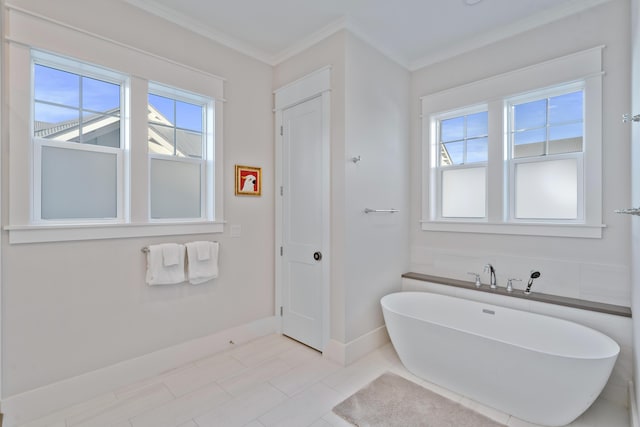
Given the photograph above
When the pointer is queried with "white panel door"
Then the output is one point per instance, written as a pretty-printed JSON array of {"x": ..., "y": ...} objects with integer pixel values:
[{"x": 303, "y": 223}]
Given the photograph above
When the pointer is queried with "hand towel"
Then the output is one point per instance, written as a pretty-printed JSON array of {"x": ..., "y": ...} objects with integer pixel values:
[
  {"x": 204, "y": 250},
  {"x": 171, "y": 254},
  {"x": 200, "y": 271},
  {"x": 158, "y": 273}
]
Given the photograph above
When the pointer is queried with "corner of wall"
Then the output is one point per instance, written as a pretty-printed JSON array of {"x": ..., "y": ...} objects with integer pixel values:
[
  {"x": 346, "y": 354},
  {"x": 634, "y": 420}
]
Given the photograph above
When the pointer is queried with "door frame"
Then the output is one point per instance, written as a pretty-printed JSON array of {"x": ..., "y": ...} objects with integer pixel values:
[{"x": 314, "y": 84}]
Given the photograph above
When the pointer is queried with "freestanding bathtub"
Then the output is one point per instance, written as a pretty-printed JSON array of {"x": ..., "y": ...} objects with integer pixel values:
[{"x": 537, "y": 368}]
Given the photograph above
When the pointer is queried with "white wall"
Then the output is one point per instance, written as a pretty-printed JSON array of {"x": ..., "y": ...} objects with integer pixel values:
[
  {"x": 591, "y": 269},
  {"x": 635, "y": 190},
  {"x": 73, "y": 307},
  {"x": 377, "y": 129},
  {"x": 369, "y": 117}
]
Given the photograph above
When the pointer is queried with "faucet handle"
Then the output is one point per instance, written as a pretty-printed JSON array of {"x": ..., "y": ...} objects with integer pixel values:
[
  {"x": 510, "y": 284},
  {"x": 477, "y": 277}
]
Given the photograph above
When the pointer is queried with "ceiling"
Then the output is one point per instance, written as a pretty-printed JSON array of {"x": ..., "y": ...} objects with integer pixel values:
[{"x": 414, "y": 33}]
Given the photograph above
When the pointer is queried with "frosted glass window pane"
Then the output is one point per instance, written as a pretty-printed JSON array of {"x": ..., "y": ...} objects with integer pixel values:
[
  {"x": 547, "y": 190},
  {"x": 175, "y": 189},
  {"x": 464, "y": 193},
  {"x": 78, "y": 184}
]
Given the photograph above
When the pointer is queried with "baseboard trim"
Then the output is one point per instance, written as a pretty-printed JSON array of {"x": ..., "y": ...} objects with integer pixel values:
[
  {"x": 633, "y": 406},
  {"x": 345, "y": 354},
  {"x": 37, "y": 403}
]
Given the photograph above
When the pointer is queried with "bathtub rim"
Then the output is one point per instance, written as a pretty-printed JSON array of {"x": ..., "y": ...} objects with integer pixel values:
[
  {"x": 607, "y": 338},
  {"x": 556, "y": 300}
]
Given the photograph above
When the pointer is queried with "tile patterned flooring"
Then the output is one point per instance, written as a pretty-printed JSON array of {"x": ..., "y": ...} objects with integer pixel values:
[{"x": 272, "y": 381}]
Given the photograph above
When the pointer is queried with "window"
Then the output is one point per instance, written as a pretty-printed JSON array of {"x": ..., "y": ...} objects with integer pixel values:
[
  {"x": 178, "y": 148},
  {"x": 545, "y": 146},
  {"x": 81, "y": 163},
  {"x": 462, "y": 163},
  {"x": 524, "y": 158},
  {"x": 77, "y": 141}
]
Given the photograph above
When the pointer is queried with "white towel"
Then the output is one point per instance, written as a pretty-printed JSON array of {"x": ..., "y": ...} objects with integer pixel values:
[
  {"x": 158, "y": 272},
  {"x": 204, "y": 250},
  {"x": 200, "y": 271},
  {"x": 171, "y": 254}
]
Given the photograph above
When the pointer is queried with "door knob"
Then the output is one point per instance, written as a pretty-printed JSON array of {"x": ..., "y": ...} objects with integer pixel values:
[{"x": 317, "y": 256}]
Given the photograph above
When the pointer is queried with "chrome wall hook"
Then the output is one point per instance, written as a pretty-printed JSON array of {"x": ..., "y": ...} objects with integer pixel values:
[{"x": 355, "y": 159}]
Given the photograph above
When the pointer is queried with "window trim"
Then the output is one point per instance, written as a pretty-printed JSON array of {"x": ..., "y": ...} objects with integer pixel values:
[
  {"x": 82, "y": 69},
  {"x": 584, "y": 66},
  {"x": 511, "y": 162},
  {"x": 140, "y": 66},
  {"x": 207, "y": 163},
  {"x": 438, "y": 169}
]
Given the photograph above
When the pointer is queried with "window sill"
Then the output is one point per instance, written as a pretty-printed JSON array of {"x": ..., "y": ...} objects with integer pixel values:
[
  {"x": 523, "y": 229},
  {"x": 19, "y": 234}
]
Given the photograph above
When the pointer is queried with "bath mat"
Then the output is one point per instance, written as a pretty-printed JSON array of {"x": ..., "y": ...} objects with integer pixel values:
[{"x": 392, "y": 401}]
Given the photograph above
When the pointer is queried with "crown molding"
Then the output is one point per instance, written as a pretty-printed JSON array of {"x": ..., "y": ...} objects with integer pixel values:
[
  {"x": 184, "y": 21},
  {"x": 340, "y": 24},
  {"x": 434, "y": 56},
  {"x": 517, "y": 27},
  {"x": 305, "y": 43}
]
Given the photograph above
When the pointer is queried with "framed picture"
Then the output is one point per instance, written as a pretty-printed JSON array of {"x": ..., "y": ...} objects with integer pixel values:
[{"x": 248, "y": 181}]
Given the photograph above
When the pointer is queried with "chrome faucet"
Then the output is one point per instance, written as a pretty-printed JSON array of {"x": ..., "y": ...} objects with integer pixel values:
[{"x": 489, "y": 268}]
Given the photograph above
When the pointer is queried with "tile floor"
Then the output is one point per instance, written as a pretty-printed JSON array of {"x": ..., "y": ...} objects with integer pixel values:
[{"x": 272, "y": 381}]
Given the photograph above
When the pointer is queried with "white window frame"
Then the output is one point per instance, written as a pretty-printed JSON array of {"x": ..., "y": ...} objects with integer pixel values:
[
  {"x": 207, "y": 165},
  {"x": 437, "y": 169},
  {"x": 27, "y": 33},
  {"x": 122, "y": 178},
  {"x": 584, "y": 67},
  {"x": 511, "y": 162}
]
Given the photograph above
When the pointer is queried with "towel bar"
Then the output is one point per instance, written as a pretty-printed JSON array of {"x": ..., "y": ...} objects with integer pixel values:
[
  {"x": 145, "y": 250},
  {"x": 367, "y": 210}
]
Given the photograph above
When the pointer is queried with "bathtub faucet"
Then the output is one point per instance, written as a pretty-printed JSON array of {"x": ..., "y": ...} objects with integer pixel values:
[{"x": 489, "y": 268}]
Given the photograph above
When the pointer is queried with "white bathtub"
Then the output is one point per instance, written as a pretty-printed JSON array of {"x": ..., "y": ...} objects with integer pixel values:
[{"x": 538, "y": 368}]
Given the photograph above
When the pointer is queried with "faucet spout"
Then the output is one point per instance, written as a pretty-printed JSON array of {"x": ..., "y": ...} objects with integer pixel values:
[{"x": 492, "y": 275}]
